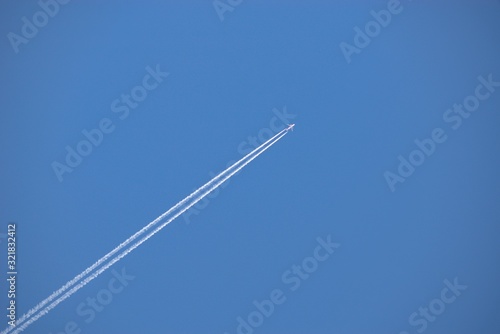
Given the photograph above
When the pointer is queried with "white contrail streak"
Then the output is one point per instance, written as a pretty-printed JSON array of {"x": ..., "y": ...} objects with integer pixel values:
[
  {"x": 135, "y": 236},
  {"x": 194, "y": 197},
  {"x": 135, "y": 245}
]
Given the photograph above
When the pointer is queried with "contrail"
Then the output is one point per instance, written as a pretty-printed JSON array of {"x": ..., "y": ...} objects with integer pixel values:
[
  {"x": 135, "y": 236},
  {"x": 194, "y": 197},
  {"x": 135, "y": 245}
]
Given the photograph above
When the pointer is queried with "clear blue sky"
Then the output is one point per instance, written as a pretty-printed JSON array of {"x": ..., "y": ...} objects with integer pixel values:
[{"x": 397, "y": 248}]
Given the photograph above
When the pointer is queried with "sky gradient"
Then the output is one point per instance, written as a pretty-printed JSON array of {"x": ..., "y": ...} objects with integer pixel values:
[{"x": 168, "y": 93}]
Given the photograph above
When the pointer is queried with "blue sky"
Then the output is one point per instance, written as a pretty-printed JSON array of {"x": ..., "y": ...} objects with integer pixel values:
[{"x": 228, "y": 79}]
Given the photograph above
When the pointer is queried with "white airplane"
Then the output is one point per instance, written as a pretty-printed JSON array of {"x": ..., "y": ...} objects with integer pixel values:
[{"x": 290, "y": 127}]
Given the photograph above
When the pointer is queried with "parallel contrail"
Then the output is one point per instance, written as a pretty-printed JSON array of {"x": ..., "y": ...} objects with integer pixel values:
[
  {"x": 194, "y": 197},
  {"x": 135, "y": 236}
]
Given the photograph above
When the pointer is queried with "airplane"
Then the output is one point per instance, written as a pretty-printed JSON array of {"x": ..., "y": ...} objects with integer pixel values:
[{"x": 290, "y": 127}]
